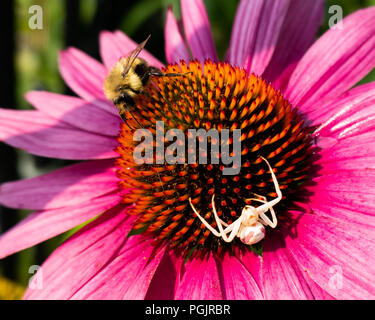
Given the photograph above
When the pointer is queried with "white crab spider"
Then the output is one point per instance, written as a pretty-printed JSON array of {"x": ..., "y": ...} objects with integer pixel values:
[{"x": 249, "y": 227}]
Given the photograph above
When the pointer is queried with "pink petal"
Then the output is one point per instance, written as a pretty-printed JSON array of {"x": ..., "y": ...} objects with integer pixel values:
[
  {"x": 76, "y": 112},
  {"x": 282, "y": 279},
  {"x": 83, "y": 74},
  {"x": 358, "y": 149},
  {"x": 326, "y": 249},
  {"x": 349, "y": 115},
  {"x": 337, "y": 61},
  {"x": 127, "y": 276},
  {"x": 165, "y": 280},
  {"x": 198, "y": 30},
  {"x": 349, "y": 180},
  {"x": 39, "y": 134},
  {"x": 320, "y": 114},
  {"x": 336, "y": 209},
  {"x": 244, "y": 28},
  {"x": 175, "y": 48},
  {"x": 346, "y": 181},
  {"x": 200, "y": 281},
  {"x": 84, "y": 254},
  {"x": 281, "y": 82},
  {"x": 105, "y": 105},
  {"x": 238, "y": 282},
  {"x": 317, "y": 292},
  {"x": 253, "y": 264},
  {"x": 114, "y": 45},
  {"x": 266, "y": 36},
  {"x": 297, "y": 34},
  {"x": 42, "y": 225},
  {"x": 64, "y": 187},
  {"x": 255, "y": 32},
  {"x": 346, "y": 195}
]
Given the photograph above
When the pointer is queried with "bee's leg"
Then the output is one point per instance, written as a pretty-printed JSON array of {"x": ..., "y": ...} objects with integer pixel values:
[
  {"x": 121, "y": 103},
  {"x": 125, "y": 120},
  {"x": 135, "y": 119},
  {"x": 121, "y": 113}
]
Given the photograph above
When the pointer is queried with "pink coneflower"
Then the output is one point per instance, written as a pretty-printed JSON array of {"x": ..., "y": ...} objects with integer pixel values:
[{"x": 317, "y": 133}]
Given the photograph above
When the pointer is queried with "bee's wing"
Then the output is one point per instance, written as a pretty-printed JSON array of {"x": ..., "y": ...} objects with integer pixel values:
[{"x": 134, "y": 54}]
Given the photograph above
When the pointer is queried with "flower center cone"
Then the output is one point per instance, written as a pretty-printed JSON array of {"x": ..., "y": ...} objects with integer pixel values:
[{"x": 211, "y": 96}]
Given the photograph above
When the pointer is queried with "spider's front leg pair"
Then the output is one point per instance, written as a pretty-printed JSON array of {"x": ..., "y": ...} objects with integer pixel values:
[
  {"x": 233, "y": 228},
  {"x": 249, "y": 226}
]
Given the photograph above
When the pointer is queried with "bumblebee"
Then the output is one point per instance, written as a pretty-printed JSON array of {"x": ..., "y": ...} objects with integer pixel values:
[{"x": 128, "y": 78}]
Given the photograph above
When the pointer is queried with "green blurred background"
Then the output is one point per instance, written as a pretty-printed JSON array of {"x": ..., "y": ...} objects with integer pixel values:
[{"x": 29, "y": 62}]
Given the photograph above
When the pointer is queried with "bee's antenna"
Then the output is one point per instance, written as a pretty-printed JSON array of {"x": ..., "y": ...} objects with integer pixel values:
[{"x": 175, "y": 74}]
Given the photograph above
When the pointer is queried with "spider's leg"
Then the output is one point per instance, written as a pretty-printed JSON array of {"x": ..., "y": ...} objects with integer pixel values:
[
  {"x": 278, "y": 191},
  {"x": 217, "y": 234},
  {"x": 224, "y": 223},
  {"x": 221, "y": 221},
  {"x": 259, "y": 196},
  {"x": 265, "y": 220},
  {"x": 273, "y": 223},
  {"x": 229, "y": 227},
  {"x": 263, "y": 201},
  {"x": 236, "y": 227},
  {"x": 265, "y": 207},
  {"x": 233, "y": 228},
  {"x": 256, "y": 199},
  {"x": 218, "y": 220}
]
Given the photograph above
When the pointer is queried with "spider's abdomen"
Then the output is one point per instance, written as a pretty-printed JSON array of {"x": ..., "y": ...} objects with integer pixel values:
[{"x": 252, "y": 234}]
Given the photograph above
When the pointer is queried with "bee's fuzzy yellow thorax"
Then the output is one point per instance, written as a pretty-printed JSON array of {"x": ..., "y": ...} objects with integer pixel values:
[{"x": 117, "y": 80}]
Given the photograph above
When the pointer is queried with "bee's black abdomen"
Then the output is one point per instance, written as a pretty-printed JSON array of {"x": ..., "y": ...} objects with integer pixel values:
[
  {"x": 124, "y": 98},
  {"x": 142, "y": 72}
]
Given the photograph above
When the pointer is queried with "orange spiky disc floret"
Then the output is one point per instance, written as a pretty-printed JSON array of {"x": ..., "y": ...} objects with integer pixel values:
[{"x": 216, "y": 96}]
